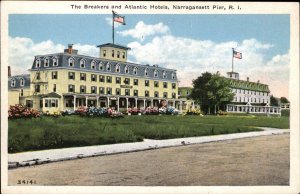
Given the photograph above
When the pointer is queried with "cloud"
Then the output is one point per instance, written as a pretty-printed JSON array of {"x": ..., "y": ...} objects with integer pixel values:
[
  {"x": 193, "y": 57},
  {"x": 142, "y": 30},
  {"x": 23, "y": 50}
]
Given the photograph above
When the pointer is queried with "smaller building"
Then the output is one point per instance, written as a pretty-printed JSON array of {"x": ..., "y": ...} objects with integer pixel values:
[
  {"x": 184, "y": 94},
  {"x": 18, "y": 89}
]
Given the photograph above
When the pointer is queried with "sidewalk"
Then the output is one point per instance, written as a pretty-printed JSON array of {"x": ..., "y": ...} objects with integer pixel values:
[{"x": 54, "y": 155}]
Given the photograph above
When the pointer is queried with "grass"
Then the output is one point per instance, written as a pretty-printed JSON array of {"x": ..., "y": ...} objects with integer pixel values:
[{"x": 75, "y": 131}]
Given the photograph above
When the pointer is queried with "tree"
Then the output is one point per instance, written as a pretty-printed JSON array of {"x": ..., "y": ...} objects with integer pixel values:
[
  {"x": 211, "y": 90},
  {"x": 284, "y": 100},
  {"x": 273, "y": 101}
]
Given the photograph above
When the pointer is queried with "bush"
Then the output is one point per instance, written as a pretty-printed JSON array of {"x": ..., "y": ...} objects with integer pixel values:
[
  {"x": 193, "y": 112},
  {"x": 21, "y": 111},
  {"x": 98, "y": 112},
  {"x": 285, "y": 112}
]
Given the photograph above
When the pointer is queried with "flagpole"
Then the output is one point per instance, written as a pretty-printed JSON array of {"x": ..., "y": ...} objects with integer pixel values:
[
  {"x": 113, "y": 27},
  {"x": 232, "y": 60}
]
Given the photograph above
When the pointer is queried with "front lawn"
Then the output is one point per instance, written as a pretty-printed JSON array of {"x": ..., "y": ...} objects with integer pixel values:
[{"x": 73, "y": 131}]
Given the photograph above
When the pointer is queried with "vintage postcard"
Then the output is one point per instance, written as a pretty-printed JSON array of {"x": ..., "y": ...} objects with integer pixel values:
[{"x": 149, "y": 97}]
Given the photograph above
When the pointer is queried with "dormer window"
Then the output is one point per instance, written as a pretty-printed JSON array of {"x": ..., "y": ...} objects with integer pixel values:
[
  {"x": 101, "y": 66},
  {"x": 118, "y": 54},
  {"x": 164, "y": 74},
  {"x": 71, "y": 62},
  {"x": 22, "y": 82},
  {"x": 46, "y": 62},
  {"x": 113, "y": 53},
  {"x": 82, "y": 63},
  {"x": 146, "y": 72},
  {"x": 135, "y": 71},
  {"x": 104, "y": 53},
  {"x": 123, "y": 55},
  {"x": 38, "y": 63},
  {"x": 126, "y": 69},
  {"x": 155, "y": 73},
  {"x": 93, "y": 65},
  {"x": 13, "y": 83},
  {"x": 173, "y": 75},
  {"x": 118, "y": 68},
  {"x": 55, "y": 61},
  {"x": 108, "y": 67}
]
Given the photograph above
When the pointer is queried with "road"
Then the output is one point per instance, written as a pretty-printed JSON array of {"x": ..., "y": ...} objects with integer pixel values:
[{"x": 250, "y": 161}]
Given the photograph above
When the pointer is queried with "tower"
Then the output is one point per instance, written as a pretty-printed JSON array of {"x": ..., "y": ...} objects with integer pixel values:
[{"x": 113, "y": 52}]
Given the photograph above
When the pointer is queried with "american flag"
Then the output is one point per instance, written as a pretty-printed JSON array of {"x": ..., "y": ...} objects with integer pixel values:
[
  {"x": 118, "y": 18},
  {"x": 237, "y": 55}
]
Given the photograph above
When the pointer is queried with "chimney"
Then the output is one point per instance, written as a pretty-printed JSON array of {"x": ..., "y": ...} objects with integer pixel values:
[
  {"x": 9, "y": 71},
  {"x": 247, "y": 79},
  {"x": 258, "y": 81},
  {"x": 70, "y": 49}
]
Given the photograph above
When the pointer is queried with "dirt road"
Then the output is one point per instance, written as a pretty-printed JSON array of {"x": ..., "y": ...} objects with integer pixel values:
[{"x": 250, "y": 161}]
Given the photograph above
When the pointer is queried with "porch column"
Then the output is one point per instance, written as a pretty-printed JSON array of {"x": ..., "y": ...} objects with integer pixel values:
[
  {"x": 180, "y": 106},
  {"x": 74, "y": 102},
  {"x": 86, "y": 101},
  {"x": 118, "y": 103},
  {"x": 174, "y": 103},
  {"x": 167, "y": 103},
  {"x": 193, "y": 106},
  {"x": 127, "y": 104},
  {"x": 107, "y": 105},
  {"x": 97, "y": 103},
  {"x": 151, "y": 102},
  {"x": 144, "y": 103},
  {"x": 227, "y": 108},
  {"x": 136, "y": 102}
]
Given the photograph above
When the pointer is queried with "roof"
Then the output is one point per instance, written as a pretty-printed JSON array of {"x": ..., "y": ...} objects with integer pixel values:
[
  {"x": 51, "y": 95},
  {"x": 247, "y": 85},
  {"x": 17, "y": 80},
  {"x": 114, "y": 45}
]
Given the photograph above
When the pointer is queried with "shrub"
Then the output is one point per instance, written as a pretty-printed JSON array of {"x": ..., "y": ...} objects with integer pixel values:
[
  {"x": 20, "y": 111},
  {"x": 193, "y": 112}
]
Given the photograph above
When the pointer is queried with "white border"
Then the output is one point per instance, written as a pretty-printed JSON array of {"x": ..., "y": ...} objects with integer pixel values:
[{"x": 63, "y": 7}]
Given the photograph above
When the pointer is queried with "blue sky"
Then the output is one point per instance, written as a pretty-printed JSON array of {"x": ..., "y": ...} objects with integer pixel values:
[{"x": 204, "y": 41}]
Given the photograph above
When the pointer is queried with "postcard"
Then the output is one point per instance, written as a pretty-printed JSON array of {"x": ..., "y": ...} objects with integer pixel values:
[{"x": 149, "y": 97}]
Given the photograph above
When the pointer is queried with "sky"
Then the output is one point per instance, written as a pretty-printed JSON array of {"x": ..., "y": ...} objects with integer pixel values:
[{"x": 190, "y": 43}]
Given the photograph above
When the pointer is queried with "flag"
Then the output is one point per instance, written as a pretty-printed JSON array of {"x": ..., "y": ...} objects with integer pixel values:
[
  {"x": 237, "y": 55},
  {"x": 118, "y": 18}
]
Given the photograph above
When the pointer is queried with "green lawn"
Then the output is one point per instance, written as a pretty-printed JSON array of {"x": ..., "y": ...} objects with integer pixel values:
[{"x": 70, "y": 131}]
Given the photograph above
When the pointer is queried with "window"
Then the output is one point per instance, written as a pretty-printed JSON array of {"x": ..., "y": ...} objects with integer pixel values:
[
  {"x": 187, "y": 92},
  {"x": 38, "y": 63},
  {"x": 54, "y": 87},
  {"x": 93, "y": 89},
  {"x": 118, "y": 91},
  {"x": 165, "y": 95},
  {"x": 108, "y": 79},
  {"x": 72, "y": 75},
  {"x": 155, "y": 73},
  {"x": 46, "y": 62},
  {"x": 164, "y": 74},
  {"x": 104, "y": 53},
  {"x": 54, "y": 74},
  {"x": 51, "y": 103},
  {"x": 71, "y": 88},
  {"x": 82, "y": 77},
  {"x": 123, "y": 55},
  {"x": 108, "y": 67},
  {"x": 135, "y": 70},
  {"x": 22, "y": 92},
  {"x": 108, "y": 91},
  {"x": 82, "y": 63},
  {"x": 156, "y": 94},
  {"x": 38, "y": 75},
  {"x": 127, "y": 92},
  {"x": 146, "y": 82},
  {"x": 93, "y": 65},
  {"x": 173, "y": 85},
  {"x": 101, "y": 90},
  {"x": 101, "y": 66},
  {"x": 113, "y": 53},
  {"x": 135, "y": 82},
  {"x": 71, "y": 62},
  {"x": 173, "y": 95},
  {"x": 82, "y": 89},
  {"x": 156, "y": 84},
  {"x": 118, "y": 80},
  {"x": 54, "y": 103},
  {"x": 118, "y": 68},
  {"x": 146, "y": 93},
  {"x": 55, "y": 61},
  {"x": 126, "y": 69},
  {"x": 127, "y": 81},
  {"x": 93, "y": 77},
  {"x": 37, "y": 88},
  {"x": 22, "y": 82},
  {"x": 29, "y": 103},
  {"x": 165, "y": 84},
  {"x": 101, "y": 78},
  {"x": 146, "y": 72},
  {"x": 135, "y": 92},
  {"x": 118, "y": 54},
  {"x": 173, "y": 75},
  {"x": 13, "y": 83}
]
